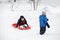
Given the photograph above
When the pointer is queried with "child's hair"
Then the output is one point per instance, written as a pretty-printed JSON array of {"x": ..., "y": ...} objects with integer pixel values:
[{"x": 22, "y": 17}]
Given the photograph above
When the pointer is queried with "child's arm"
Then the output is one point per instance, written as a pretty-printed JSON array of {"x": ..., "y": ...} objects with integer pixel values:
[
  {"x": 47, "y": 22},
  {"x": 18, "y": 23},
  {"x": 48, "y": 25},
  {"x": 26, "y": 23}
]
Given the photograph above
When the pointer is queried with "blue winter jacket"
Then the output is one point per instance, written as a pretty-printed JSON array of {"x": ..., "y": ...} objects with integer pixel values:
[{"x": 43, "y": 20}]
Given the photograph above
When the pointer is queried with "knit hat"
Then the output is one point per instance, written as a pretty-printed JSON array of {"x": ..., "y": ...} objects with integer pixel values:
[{"x": 43, "y": 13}]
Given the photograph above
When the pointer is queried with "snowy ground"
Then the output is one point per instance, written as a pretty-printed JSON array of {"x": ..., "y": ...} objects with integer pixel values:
[{"x": 9, "y": 16}]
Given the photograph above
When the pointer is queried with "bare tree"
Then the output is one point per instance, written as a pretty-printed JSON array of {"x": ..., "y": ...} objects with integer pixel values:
[
  {"x": 37, "y": 4},
  {"x": 33, "y": 3},
  {"x": 14, "y": 0}
]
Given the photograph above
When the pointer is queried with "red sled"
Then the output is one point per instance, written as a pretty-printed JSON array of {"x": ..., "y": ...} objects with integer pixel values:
[{"x": 14, "y": 25}]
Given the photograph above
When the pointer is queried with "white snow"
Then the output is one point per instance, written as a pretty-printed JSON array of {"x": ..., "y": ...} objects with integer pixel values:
[{"x": 9, "y": 16}]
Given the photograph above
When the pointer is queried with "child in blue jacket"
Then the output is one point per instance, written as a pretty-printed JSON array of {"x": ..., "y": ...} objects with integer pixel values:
[{"x": 43, "y": 23}]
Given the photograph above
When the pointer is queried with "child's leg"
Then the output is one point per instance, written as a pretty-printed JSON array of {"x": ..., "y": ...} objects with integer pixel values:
[
  {"x": 25, "y": 25},
  {"x": 21, "y": 26},
  {"x": 42, "y": 30}
]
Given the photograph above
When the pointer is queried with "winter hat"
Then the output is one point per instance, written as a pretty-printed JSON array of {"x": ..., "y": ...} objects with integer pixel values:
[{"x": 43, "y": 13}]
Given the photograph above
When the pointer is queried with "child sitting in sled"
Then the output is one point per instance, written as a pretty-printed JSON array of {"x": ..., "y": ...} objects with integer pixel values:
[{"x": 22, "y": 22}]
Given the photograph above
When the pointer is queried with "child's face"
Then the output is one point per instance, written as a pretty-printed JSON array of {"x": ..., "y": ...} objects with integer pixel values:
[{"x": 22, "y": 19}]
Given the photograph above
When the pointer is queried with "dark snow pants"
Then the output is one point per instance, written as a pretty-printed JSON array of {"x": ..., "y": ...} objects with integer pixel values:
[{"x": 42, "y": 30}]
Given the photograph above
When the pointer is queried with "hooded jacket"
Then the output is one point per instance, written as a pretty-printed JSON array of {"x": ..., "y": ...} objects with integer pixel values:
[{"x": 43, "y": 20}]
